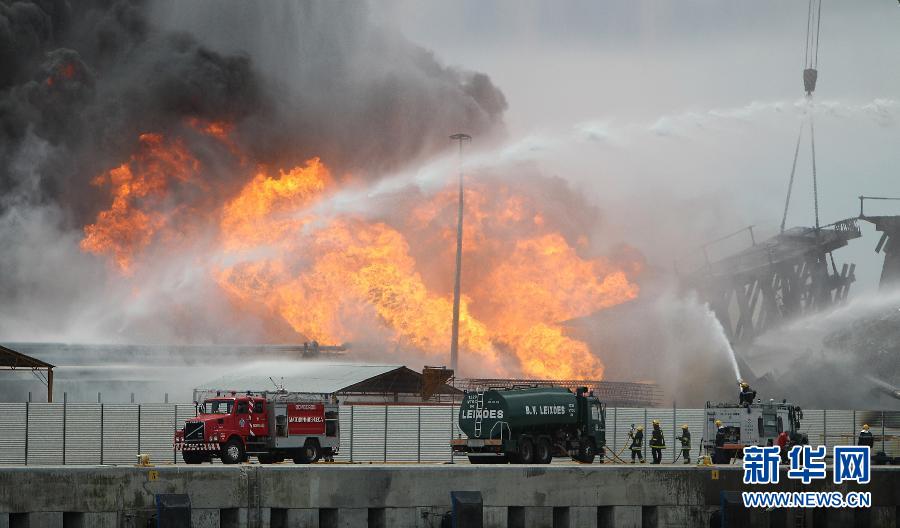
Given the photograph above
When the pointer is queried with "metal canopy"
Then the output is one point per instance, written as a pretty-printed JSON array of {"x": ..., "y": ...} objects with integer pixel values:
[
  {"x": 9, "y": 358},
  {"x": 12, "y": 360}
]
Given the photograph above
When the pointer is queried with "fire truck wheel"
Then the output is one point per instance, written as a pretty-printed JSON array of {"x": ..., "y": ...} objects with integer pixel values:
[
  {"x": 308, "y": 454},
  {"x": 232, "y": 452},
  {"x": 543, "y": 453},
  {"x": 191, "y": 457}
]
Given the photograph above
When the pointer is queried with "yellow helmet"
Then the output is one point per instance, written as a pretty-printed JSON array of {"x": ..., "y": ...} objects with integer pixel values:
[
  {"x": 865, "y": 427},
  {"x": 744, "y": 384},
  {"x": 718, "y": 422},
  {"x": 685, "y": 426},
  {"x": 640, "y": 428},
  {"x": 655, "y": 422}
]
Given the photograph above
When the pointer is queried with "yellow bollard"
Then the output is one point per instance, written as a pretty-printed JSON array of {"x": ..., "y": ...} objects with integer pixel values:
[{"x": 143, "y": 460}]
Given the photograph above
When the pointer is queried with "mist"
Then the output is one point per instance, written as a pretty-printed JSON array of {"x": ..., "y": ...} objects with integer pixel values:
[{"x": 842, "y": 358}]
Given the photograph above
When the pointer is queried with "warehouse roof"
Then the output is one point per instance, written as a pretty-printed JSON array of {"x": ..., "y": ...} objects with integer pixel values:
[{"x": 321, "y": 378}]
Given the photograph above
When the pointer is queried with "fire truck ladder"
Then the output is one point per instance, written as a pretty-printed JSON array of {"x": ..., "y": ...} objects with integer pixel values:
[{"x": 479, "y": 407}]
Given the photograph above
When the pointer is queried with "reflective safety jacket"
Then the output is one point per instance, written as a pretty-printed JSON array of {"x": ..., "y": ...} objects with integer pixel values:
[
  {"x": 656, "y": 439},
  {"x": 637, "y": 441},
  {"x": 720, "y": 437},
  {"x": 866, "y": 439},
  {"x": 685, "y": 439}
]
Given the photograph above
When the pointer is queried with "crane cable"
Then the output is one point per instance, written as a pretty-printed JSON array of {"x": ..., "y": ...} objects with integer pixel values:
[
  {"x": 813, "y": 23},
  {"x": 787, "y": 201},
  {"x": 812, "y": 143},
  {"x": 812, "y": 39},
  {"x": 810, "y": 75}
]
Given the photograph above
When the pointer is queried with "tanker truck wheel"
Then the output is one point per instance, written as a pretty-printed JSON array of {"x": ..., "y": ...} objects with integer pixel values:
[
  {"x": 525, "y": 454},
  {"x": 543, "y": 454},
  {"x": 487, "y": 459},
  {"x": 586, "y": 453}
]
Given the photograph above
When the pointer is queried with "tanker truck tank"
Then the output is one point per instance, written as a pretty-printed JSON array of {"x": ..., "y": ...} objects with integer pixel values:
[{"x": 531, "y": 425}]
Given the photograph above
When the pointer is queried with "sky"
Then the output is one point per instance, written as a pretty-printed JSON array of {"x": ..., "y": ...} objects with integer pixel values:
[{"x": 680, "y": 118}]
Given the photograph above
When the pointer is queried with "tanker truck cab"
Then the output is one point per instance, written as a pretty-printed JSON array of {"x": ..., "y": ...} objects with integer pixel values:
[
  {"x": 597, "y": 419},
  {"x": 530, "y": 425}
]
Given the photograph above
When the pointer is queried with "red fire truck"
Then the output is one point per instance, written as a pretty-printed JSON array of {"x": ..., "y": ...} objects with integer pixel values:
[{"x": 270, "y": 426}]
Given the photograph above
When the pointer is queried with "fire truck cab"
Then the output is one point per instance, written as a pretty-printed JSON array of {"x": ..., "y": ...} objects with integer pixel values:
[{"x": 271, "y": 426}]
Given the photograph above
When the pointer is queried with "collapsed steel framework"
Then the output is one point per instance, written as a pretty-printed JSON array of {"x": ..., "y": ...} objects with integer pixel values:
[
  {"x": 889, "y": 226},
  {"x": 785, "y": 276},
  {"x": 612, "y": 393}
]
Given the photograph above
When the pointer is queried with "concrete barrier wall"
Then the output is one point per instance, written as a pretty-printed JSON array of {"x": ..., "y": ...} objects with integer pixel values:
[{"x": 254, "y": 496}]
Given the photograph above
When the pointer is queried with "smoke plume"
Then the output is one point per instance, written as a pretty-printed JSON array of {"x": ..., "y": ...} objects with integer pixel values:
[
  {"x": 87, "y": 87},
  {"x": 176, "y": 178}
]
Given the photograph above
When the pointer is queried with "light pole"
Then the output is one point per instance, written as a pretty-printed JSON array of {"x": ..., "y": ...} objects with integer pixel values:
[{"x": 454, "y": 337}]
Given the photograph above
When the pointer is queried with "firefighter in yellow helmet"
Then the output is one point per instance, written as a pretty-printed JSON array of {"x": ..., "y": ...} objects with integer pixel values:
[
  {"x": 719, "y": 452},
  {"x": 637, "y": 444},
  {"x": 657, "y": 442},
  {"x": 685, "y": 440},
  {"x": 865, "y": 437},
  {"x": 747, "y": 394}
]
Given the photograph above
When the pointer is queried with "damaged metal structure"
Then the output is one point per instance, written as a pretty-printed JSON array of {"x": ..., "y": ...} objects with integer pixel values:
[
  {"x": 788, "y": 275},
  {"x": 889, "y": 226}
]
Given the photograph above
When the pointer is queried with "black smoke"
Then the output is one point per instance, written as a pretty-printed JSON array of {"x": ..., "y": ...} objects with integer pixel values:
[
  {"x": 80, "y": 81},
  {"x": 86, "y": 78}
]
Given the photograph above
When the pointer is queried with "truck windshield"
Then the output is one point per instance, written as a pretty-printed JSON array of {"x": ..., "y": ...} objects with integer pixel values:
[{"x": 217, "y": 407}]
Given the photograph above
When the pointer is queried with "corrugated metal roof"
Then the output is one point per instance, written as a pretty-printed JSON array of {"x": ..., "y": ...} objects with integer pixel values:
[{"x": 298, "y": 376}]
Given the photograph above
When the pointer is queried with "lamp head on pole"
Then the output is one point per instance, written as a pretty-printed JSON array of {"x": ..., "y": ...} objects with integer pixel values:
[{"x": 461, "y": 137}]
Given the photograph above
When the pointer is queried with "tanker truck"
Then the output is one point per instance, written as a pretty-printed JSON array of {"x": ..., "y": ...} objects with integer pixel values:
[{"x": 531, "y": 426}]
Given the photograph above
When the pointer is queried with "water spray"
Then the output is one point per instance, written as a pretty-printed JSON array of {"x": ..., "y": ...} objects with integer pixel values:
[
  {"x": 734, "y": 364},
  {"x": 884, "y": 386}
]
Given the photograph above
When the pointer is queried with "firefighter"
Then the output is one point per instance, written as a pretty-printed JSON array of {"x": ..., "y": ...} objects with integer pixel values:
[
  {"x": 747, "y": 394},
  {"x": 865, "y": 437},
  {"x": 782, "y": 443},
  {"x": 719, "y": 452},
  {"x": 685, "y": 440},
  {"x": 657, "y": 442},
  {"x": 637, "y": 444}
]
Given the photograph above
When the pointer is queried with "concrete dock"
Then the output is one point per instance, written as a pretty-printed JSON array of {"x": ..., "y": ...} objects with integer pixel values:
[{"x": 359, "y": 495}]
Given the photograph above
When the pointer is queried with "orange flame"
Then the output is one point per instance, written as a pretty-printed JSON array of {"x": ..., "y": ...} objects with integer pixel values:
[
  {"x": 345, "y": 278},
  {"x": 543, "y": 283},
  {"x": 263, "y": 213},
  {"x": 138, "y": 190}
]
